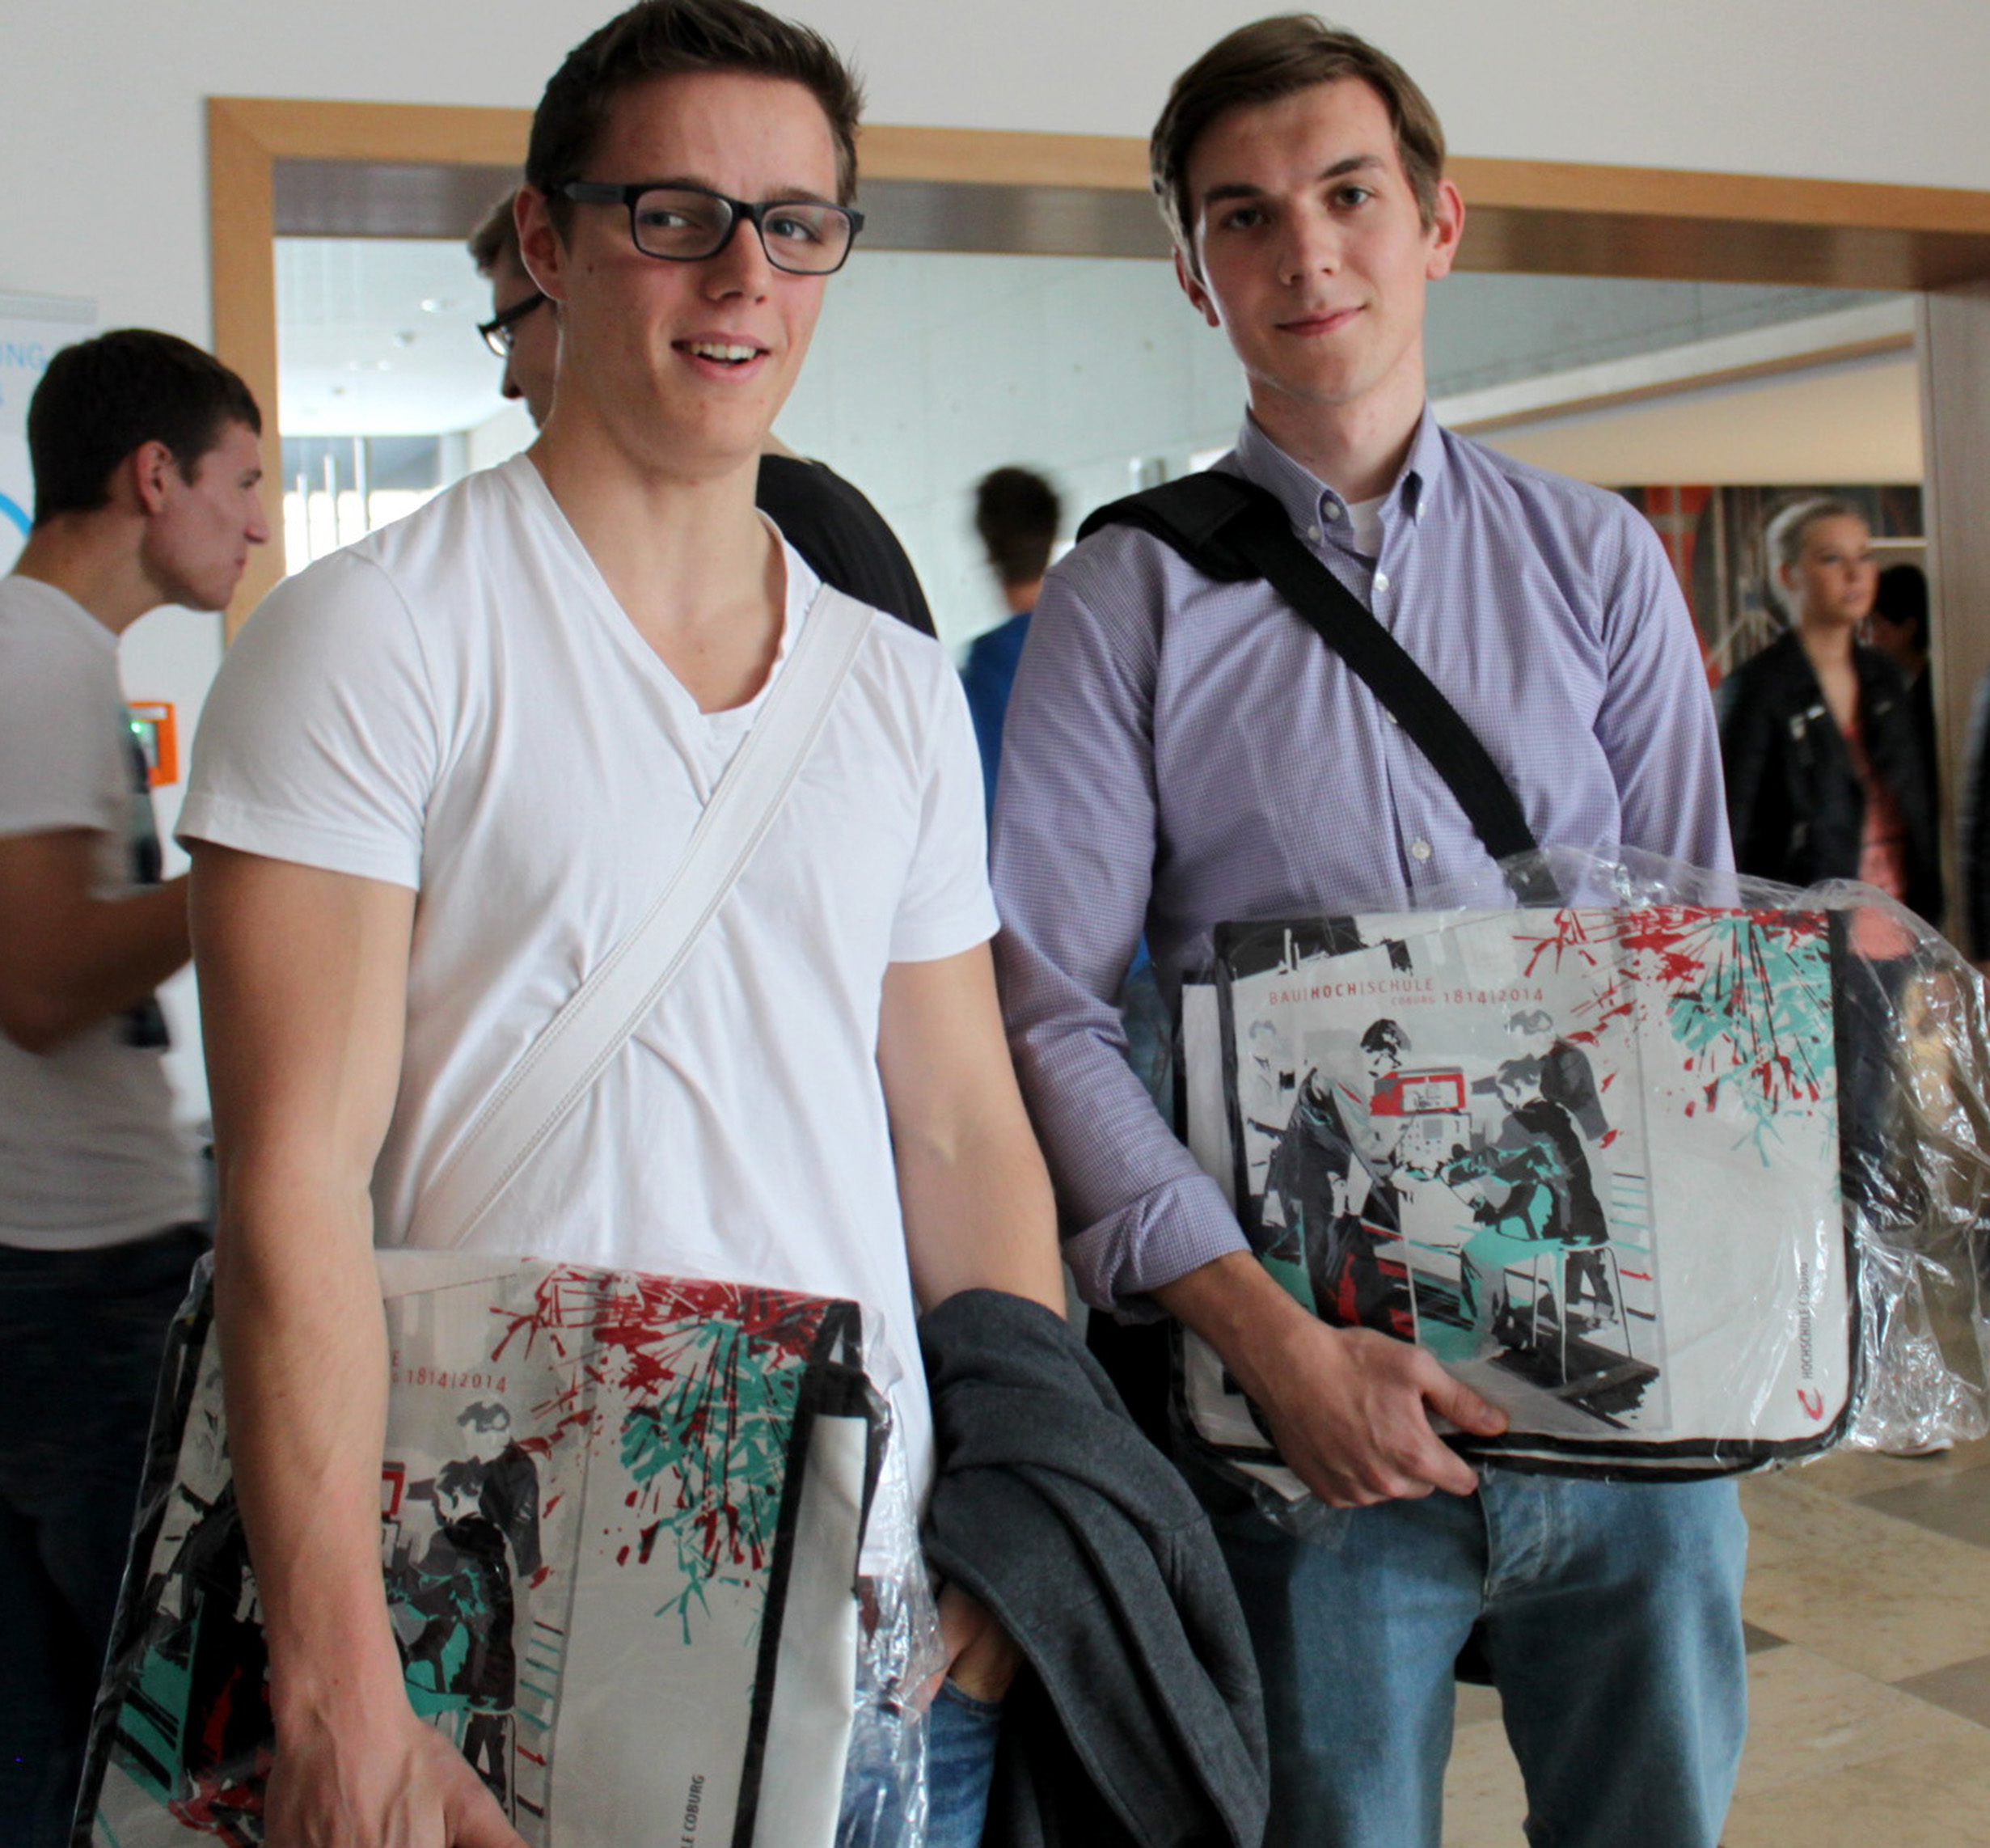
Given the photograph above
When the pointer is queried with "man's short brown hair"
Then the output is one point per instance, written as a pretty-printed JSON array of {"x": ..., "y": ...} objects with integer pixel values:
[
  {"x": 1273, "y": 58},
  {"x": 98, "y": 400},
  {"x": 496, "y": 238},
  {"x": 663, "y": 38}
]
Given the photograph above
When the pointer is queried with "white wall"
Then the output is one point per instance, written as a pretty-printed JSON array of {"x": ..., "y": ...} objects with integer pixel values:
[
  {"x": 101, "y": 131},
  {"x": 928, "y": 370}
]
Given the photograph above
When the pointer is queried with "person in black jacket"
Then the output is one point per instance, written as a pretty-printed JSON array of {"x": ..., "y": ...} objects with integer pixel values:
[{"x": 1824, "y": 776}]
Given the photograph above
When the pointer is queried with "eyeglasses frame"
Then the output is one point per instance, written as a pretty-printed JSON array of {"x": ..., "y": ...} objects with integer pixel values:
[
  {"x": 612, "y": 193},
  {"x": 497, "y": 331}
]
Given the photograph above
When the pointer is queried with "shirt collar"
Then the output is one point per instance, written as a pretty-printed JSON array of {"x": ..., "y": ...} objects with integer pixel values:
[{"x": 1308, "y": 501}]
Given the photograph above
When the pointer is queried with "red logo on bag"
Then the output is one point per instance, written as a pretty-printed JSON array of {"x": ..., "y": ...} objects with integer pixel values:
[{"x": 1813, "y": 1403}]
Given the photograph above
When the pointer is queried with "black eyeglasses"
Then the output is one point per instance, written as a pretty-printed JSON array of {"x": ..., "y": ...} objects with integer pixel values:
[
  {"x": 686, "y": 224},
  {"x": 499, "y": 331}
]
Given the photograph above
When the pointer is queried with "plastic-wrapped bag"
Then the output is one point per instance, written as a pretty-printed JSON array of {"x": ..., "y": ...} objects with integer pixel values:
[
  {"x": 1688, "y": 1173},
  {"x": 621, "y": 1517}
]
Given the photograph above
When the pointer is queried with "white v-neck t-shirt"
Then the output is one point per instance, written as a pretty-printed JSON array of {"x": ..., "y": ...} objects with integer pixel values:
[{"x": 459, "y": 704}]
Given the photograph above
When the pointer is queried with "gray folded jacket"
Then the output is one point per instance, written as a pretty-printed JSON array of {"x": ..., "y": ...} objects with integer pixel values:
[{"x": 1139, "y": 1719}]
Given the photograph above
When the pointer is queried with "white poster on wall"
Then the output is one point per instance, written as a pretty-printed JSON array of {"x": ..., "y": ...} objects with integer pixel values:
[{"x": 32, "y": 328}]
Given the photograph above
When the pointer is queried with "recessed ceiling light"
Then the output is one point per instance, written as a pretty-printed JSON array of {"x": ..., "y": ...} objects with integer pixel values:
[{"x": 437, "y": 304}]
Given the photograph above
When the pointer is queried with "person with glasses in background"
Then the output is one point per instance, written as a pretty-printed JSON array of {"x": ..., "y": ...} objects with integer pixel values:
[
  {"x": 445, "y": 771},
  {"x": 826, "y": 519}
]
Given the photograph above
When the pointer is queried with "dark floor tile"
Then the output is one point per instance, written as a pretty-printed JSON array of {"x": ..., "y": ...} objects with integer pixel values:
[
  {"x": 1963, "y": 1687},
  {"x": 1758, "y": 1639},
  {"x": 1958, "y": 1505}
]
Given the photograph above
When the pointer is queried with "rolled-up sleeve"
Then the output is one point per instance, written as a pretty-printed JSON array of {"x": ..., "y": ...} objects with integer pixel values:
[
  {"x": 1657, "y": 723},
  {"x": 1077, "y": 830}
]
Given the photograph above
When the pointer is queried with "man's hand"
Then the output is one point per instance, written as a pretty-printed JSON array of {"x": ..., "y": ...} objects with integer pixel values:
[
  {"x": 981, "y": 1657},
  {"x": 388, "y": 1781},
  {"x": 1350, "y": 1409}
]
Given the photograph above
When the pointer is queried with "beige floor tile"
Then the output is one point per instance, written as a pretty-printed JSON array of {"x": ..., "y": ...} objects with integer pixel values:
[
  {"x": 1791, "y": 1511},
  {"x": 1768, "y": 1548},
  {"x": 1483, "y": 1800},
  {"x": 1860, "y": 1472},
  {"x": 1810, "y": 1718},
  {"x": 1477, "y": 1706},
  {"x": 1913, "y": 1602},
  {"x": 1925, "y": 1796}
]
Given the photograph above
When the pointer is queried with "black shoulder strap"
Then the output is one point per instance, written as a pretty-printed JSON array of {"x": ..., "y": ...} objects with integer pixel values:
[{"x": 1234, "y": 531}]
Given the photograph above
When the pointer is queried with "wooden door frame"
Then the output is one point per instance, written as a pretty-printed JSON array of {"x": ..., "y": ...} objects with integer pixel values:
[{"x": 1537, "y": 217}]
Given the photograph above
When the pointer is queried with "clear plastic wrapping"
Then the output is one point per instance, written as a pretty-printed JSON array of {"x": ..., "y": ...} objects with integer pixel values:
[
  {"x": 901, "y": 1660},
  {"x": 1689, "y": 1173}
]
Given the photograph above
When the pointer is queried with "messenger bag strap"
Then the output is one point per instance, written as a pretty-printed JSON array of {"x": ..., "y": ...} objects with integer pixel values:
[
  {"x": 1234, "y": 531},
  {"x": 574, "y": 1048}
]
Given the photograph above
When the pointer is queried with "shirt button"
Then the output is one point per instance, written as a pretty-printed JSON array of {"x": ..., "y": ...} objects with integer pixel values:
[
  {"x": 1334, "y": 509},
  {"x": 1382, "y": 580},
  {"x": 1312, "y": 532},
  {"x": 1419, "y": 850},
  {"x": 1392, "y": 718}
]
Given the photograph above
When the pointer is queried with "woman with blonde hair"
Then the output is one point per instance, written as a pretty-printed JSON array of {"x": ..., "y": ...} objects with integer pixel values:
[{"x": 1824, "y": 778}]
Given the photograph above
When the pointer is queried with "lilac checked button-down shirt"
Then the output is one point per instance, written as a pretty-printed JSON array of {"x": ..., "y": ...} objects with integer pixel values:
[{"x": 1180, "y": 752}]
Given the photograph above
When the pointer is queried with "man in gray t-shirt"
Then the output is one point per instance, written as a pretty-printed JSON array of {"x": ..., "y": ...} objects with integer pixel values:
[{"x": 147, "y": 472}]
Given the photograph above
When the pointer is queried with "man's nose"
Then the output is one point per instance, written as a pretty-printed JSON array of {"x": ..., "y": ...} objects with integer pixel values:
[{"x": 1313, "y": 245}]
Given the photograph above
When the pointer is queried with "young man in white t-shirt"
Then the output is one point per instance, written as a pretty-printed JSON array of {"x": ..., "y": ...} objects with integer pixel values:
[
  {"x": 445, "y": 771},
  {"x": 146, "y": 466}
]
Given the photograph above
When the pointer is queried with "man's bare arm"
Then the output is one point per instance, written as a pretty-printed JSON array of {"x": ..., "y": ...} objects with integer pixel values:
[
  {"x": 978, "y": 1213},
  {"x": 68, "y": 958},
  {"x": 303, "y": 978},
  {"x": 976, "y": 1197}
]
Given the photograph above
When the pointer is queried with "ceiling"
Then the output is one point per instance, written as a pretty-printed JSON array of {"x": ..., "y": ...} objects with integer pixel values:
[
  {"x": 1855, "y": 421},
  {"x": 378, "y": 336}
]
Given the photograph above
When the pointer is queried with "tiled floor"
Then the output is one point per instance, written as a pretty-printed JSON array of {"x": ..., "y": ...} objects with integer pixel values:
[{"x": 1869, "y": 1607}]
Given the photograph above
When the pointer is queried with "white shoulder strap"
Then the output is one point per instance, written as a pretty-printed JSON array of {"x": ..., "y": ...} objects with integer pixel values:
[{"x": 581, "y": 1039}]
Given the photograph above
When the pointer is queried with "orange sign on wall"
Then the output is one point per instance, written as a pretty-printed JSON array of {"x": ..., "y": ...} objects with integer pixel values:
[{"x": 152, "y": 724}]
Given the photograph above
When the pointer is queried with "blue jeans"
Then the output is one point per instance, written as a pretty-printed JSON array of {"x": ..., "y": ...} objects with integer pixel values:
[
  {"x": 81, "y": 1337},
  {"x": 960, "y": 1737},
  {"x": 1612, "y": 1621},
  {"x": 959, "y": 1765}
]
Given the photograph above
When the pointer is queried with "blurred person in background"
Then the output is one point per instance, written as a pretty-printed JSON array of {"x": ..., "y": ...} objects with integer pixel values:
[
  {"x": 1017, "y": 513},
  {"x": 1898, "y": 628},
  {"x": 1825, "y": 777}
]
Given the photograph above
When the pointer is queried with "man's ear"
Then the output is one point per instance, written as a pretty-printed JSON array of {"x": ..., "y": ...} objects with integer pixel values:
[
  {"x": 541, "y": 249},
  {"x": 149, "y": 474},
  {"x": 1447, "y": 226},
  {"x": 1192, "y": 287}
]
